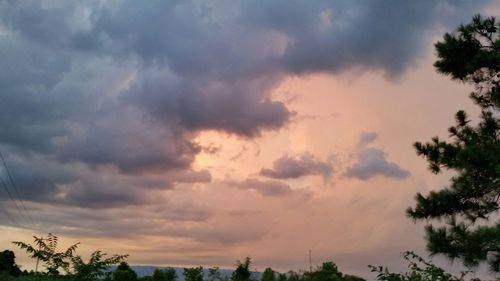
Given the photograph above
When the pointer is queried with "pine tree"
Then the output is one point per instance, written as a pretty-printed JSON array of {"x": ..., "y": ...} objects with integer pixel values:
[{"x": 469, "y": 205}]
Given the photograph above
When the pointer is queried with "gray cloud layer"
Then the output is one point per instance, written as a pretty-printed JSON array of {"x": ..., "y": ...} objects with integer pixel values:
[
  {"x": 102, "y": 100},
  {"x": 372, "y": 162},
  {"x": 266, "y": 188},
  {"x": 288, "y": 167}
]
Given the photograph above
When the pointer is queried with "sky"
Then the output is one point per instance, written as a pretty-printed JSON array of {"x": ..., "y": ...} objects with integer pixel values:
[{"x": 189, "y": 133}]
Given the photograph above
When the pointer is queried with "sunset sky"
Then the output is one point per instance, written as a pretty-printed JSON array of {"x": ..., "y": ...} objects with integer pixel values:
[{"x": 190, "y": 133}]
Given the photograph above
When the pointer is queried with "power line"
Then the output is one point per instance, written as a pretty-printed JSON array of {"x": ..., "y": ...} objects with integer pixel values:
[
  {"x": 16, "y": 189},
  {"x": 8, "y": 215},
  {"x": 2, "y": 182}
]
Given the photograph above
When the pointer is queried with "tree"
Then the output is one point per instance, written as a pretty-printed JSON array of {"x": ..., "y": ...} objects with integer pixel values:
[
  {"x": 242, "y": 271},
  {"x": 44, "y": 250},
  {"x": 282, "y": 277},
  {"x": 168, "y": 274},
  {"x": 215, "y": 275},
  {"x": 471, "y": 54},
  {"x": 420, "y": 270},
  {"x": 348, "y": 277},
  {"x": 294, "y": 276},
  {"x": 193, "y": 274},
  {"x": 95, "y": 268},
  {"x": 123, "y": 272},
  {"x": 8, "y": 263},
  {"x": 327, "y": 272},
  {"x": 268, "y": 275}
]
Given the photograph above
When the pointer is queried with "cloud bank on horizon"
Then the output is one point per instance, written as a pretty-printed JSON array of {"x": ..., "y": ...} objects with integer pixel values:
[{"x": 102, "y": 101}]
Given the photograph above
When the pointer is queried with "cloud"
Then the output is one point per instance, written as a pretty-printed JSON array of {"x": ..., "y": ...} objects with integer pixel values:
[
  {"x": 170, "y": 218},
  {"x": 289, "y": 167},
  {"x": 371, "y": 162},
  {"x": 266, "y": 188},
  {"x": 367, "y": 138},
  {"x": 334, "y": 36},
  {"x": 41, "y": 179},
  {"x": 102, "y": 101},
  {"x": 130, "y": 84}
]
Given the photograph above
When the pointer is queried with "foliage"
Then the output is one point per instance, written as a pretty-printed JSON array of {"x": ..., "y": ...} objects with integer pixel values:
[
  {"x": 168, "y": 274},
  {"x": 5, "y": 276},
  {"x": 123, "y": 272},
  {"x": 8, "y": 264},
  {"x": 34, "y": 276},
  {"x": 327, "y": 272},
  {"x": 193, "y": 274},
  {"x": 420, "y": 270},
  {"x": 471, "y": 55},
  {"x": 214, "y": 275},
  {"x": 268, "y": 275},
  {"x": 294, "y": 276},
  {"x": 44, "y": 250},
  {"x": 242, "y": 271},
  {"x": 348, "y": 277},
  {"x": 95, "y": 268},
  {"x": 282, "y": 277}
]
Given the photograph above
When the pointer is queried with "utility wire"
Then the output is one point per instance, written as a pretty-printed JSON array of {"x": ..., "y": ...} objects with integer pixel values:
[
  {"x": 2, "y": 182},
  {"x": 8, "y": 215},
  {"x": 16, "y": 189}
]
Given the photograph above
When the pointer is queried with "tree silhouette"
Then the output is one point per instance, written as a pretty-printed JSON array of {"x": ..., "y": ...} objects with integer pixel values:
[
  {"x": 471, "y": 54},
  {"x": 193, "y": 274},
  {"x": 44, "y": 250},
  {"x": 420, "y": 270},
  {"x": 123, "y": 272},
  {"x": 327, "y": 272},
  {"x": 8, "y": 263},
  {"x": 242, "y": 271},
  {"x": 95, "y": 268},
  {"x": 168, "y": 274},
  {"x": 268, "y": 275}
]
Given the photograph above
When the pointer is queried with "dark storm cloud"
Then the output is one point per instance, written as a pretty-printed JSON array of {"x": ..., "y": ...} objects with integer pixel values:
[
  {"x": 119, "y": 89},
  {"x": 372, "y": 162},
  {"x": 239, "y": 106},
  {"x": 289, "y": 167},
  {"x": 334, "y": 36},
  {"x": 39, "y": 179}
]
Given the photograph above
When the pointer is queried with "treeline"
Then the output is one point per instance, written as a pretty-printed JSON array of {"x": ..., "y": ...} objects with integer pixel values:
[
  {"x": 328, "y": 271},
  {"x": 99, "y": 268}
]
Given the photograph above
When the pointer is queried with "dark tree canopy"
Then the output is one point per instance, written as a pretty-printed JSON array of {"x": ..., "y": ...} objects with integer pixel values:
[
  {"x": 242, "y": 271},
  {"x": 44, "y": 250},
  {"x": 123, "y": 272},
  {"x": 268, "y": 275},
  {"x": 327, "y": 272},
  {"x": 8, "y": 263},
  {"x": 167, "y": 274},
  {"x": 469, "y": 205},
  {"x": 96, "y": 267},
  {"x": 193, "y": 274}
]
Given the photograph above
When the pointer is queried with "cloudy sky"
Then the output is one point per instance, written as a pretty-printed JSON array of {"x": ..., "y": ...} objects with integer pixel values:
[{"x": 200, "y": 132}]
